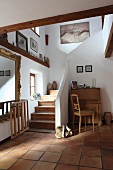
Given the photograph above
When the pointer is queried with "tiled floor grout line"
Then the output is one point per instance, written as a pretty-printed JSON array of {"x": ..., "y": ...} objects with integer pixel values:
[
  {"x": 37, "y": 160},
  {"x": 81, "y": 151},
  {"x": 100, "y": 148}
]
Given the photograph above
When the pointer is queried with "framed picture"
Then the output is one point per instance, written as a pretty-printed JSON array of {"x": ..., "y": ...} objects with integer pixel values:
[
  {"x": 7, "y": 73},
  {"x": 1, "y": 73},
  {"x": 21, "y": 41},
  {"x": 88, "y": 68},
  {"x": 40, "y": 57},
  {"x": 33, "y": 45},
  {"x": 79, "y": 69},
  {"x": 74, "y": 85},
  {"x": 74, "y": 33}
]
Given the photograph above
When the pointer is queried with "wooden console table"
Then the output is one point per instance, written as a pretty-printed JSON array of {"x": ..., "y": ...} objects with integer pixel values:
[{"x": 89, "y": 98}]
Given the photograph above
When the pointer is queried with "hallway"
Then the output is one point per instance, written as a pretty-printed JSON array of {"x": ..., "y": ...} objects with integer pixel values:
[{"x": 86, "y": 151}]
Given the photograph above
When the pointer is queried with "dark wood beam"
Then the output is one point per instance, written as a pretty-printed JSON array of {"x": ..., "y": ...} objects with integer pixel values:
[
  {"x": 103, "y": 16},
  {"x": 109, "y": 46},
  {"x": 58, "y": 19}
]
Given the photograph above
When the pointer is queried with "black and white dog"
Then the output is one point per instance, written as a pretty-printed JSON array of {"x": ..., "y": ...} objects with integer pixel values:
[{"x": 63, "y": 131}]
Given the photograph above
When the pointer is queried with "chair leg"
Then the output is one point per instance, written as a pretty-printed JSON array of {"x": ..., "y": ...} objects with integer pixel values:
[
  {"x": 85, "y": 120},
  {"x": 93, "y": 121},
  {"x": 73, "y": 120},
  {"x": 80, "y": 120}
]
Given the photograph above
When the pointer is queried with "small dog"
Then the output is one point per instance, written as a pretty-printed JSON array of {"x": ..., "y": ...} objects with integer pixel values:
[{"x": 63, "y": 132}]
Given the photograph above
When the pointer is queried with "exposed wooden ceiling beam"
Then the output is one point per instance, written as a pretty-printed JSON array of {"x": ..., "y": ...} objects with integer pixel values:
[
  {"x": 103, "y": 16},
  {"x": 109, "y": 46},
  {"x": 58, "y": 19}
]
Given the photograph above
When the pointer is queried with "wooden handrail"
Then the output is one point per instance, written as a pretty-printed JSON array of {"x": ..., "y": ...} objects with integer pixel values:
[{"x": 4, "y": 106}]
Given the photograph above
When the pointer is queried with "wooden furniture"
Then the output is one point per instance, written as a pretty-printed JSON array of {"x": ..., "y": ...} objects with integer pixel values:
[
  {"x": 90, "y": 99},
  {"x": 80, "y": 113}
]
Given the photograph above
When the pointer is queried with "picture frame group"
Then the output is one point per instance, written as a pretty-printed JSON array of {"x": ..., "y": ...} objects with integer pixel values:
[
  {"x": 88, "y": 68},
  {"x": 22, "y": 42},
  {"x": 5, "y": 73}
]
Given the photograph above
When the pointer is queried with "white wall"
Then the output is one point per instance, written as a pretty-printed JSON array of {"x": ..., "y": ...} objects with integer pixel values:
[
  {"x": 28, "y": 66},
  {"x": 58, "y": 52},
  {"x": 92, "y": 53},
  {"x": 7, "y": 82}
]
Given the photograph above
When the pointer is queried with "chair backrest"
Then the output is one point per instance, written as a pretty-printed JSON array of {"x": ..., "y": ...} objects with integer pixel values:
[{"x": 75, "y": 103}]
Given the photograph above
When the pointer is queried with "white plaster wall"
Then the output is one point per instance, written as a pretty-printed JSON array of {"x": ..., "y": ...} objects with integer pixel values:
[
  {"x": 58, "y": 52},
  {"x": 92, "y": 53},
  {"x": 65, "y": 102},
  {"x": 28, "y": 66},
  {"x": 4, "y": 130},
  {"x": 27, "y": 10},
  {"x": 7, "y": 82}
]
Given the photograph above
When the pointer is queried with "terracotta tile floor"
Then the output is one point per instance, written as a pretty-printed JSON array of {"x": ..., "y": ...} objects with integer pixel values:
[{"x": 42, "y": 151}]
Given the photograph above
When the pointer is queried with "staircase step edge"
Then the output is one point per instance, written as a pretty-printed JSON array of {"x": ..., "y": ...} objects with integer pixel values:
[
  {"x": 42, "y": 121},
  {"x": 43, "y": 113}
]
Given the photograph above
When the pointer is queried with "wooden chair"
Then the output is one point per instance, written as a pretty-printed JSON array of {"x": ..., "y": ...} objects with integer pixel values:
[{"x": 81, "y": 113}]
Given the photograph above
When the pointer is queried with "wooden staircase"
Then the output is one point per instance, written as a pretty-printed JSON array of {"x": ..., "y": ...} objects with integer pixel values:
[{"x": 43, "y": 119}]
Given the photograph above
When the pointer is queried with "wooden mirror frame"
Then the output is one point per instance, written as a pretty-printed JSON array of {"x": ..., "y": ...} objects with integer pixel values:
[{"x": 7, "y": 54}]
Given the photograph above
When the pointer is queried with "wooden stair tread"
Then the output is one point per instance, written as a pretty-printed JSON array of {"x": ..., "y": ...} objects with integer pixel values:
[
  {"x": 48, "y": 97},
  {"x": 46, "y": 106},
  {"x": 43, "y": 113},
  {"x": 45, "y": 100},
  {"x": 40, "y": 130},
  {"x": 42, "y": 121}
]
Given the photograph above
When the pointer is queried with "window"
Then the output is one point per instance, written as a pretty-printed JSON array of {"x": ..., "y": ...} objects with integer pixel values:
[
  {"x": 32, "y": 84},
  {"x": 36, "y": 30}
]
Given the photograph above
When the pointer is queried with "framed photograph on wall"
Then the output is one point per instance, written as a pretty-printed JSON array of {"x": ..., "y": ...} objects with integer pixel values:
[
  {"x": 74, "y": 85},
  {"x": 7, "y": 73},
  {"x": 33, "y": 45},
  {"x": 1, "y": 73},
  {"x": 88, "y": 68},
  {"x": 79, "y": 69},
  {"x": 74, "y": 33},
  {"x": 21, "y": 41}
]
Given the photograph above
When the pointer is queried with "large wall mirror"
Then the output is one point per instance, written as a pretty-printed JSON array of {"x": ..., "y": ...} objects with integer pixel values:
[{"x": 9, "y": 76}]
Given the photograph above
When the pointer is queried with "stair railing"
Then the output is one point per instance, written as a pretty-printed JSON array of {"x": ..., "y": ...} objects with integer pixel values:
[
  {"x": 19, "y": 117},
  {"x": 5, "y": 106}
]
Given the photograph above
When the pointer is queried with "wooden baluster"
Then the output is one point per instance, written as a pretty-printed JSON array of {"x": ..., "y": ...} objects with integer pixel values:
[
  {"x": 15, "y": 129},
  {"x": 11, "y": 125},
  {"x": 6, "y": 107},
  {"x": 25, "y": 107},
  {"x": 2, "y": 108},
  {"x": 18, "y": 117},
  {"x": 22, "y": 116},
  {"x": 27, "y": 113}
]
